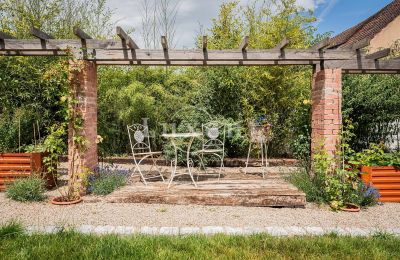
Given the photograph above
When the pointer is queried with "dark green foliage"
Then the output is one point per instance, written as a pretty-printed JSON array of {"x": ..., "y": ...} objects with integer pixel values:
[
  {"x": 372, "y": 102},
  {"x": 31, "y": 90},
  {"x": 11, "y": 230},
  {"x": 107, "y": 184},
  {"x": 26, "y": 189},
  {"x": 71, "y": 245}
]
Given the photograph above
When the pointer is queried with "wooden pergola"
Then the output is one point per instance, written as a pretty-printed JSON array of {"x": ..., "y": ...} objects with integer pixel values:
[{"x": 328, "y": 66}]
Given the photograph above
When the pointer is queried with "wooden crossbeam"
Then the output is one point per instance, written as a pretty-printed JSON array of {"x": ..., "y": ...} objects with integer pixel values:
[
  {"x": 125, "y": 37},
  {"x": 40, "y": 34},
  {"x": 207, "y": 62},
  {"x": 4, "y": 35},
  {"x": 204, "y": 42},
  {"x": 349, "y": 67},
  {"x": 322, "y": 44},
  {"x": 81, "y": 34},
  {"x": 282, "y": 45},
  {"x": 379, "y": 54},
  {"x": 164, "y": 43},
  {"x": 35, "y": 45},
  {"x": 188, "y": 55},
  {"x": 244, "y": 44},
  {"x": 360, "y": 44}
]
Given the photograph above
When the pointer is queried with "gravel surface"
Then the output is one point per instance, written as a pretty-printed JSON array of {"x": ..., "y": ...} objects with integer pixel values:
[{"x": 140, "y": 215}]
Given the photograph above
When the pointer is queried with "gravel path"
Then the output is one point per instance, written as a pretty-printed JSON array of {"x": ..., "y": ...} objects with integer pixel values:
[{"x": 139, "y": 215}]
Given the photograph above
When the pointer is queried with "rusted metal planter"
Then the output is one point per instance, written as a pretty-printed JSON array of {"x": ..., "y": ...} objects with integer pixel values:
[
  {"x": 386, "y": 179},
  {"x": 20, "y": 165}
]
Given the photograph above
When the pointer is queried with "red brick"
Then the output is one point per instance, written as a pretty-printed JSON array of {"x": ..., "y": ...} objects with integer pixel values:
[{"x": 326, "y": 109}]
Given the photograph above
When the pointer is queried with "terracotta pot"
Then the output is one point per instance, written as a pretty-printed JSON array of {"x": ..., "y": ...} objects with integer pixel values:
[
  {"x": 349, "y": 207},
  {"x": 60, "y": 201}
]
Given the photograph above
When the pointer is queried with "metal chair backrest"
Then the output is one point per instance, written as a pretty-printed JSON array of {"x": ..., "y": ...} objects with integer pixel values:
[
  {"x": 139, "y": 138},
  {"x": 259, "y": 133},
  {"x": 213, "y": 136}
]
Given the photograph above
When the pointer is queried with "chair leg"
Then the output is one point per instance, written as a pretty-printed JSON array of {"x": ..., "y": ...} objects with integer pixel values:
[
  {"x": 201, "y": 164},
  {"x": 158, "y": 169},
  {"x": 191, "y": 175},
  {"x": 172, "y": 173},
  {"x": 247, "y": 161},
  {"x": 221, "y": 167}
]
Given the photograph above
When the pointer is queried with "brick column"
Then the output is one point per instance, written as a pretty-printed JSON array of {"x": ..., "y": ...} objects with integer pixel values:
[
  {"x": 326, "y": 120},
  {"x": 83, "y": 75}
]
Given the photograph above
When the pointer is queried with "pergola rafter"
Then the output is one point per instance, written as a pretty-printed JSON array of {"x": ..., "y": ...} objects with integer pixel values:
[{"x": 126, "y": 52}]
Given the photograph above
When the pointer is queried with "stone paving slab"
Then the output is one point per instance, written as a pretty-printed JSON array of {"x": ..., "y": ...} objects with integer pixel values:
[{"x": 213, "y": 230}]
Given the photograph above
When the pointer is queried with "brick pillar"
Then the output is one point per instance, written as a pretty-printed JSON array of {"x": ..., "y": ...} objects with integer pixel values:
[
  {"x": 83, "y": 77},
  {"x": 326, "y": 120}
]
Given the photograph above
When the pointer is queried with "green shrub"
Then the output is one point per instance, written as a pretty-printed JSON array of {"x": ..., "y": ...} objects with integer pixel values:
[
  {"x": 28, "y": 189},
  {"x": 11, "y": 229},
  {"x": 311, "y": 186},
  {"x": 106, "y": 185}
]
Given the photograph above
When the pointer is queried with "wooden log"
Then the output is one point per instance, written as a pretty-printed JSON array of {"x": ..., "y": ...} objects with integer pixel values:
[
  {"x": 40, "y": 34},
  {"x": 244, "y": 44},
  {"x": 207, "y": 63},
  {"x": 322, "y": 44},
  {"x": 81, "y": 34},
  {"x": 4, "y": 35},
  {"x": 164, "y": 43},
  {"x": 36, "y": 45},
  {"x": 234, "y": 55},
  {"x": 282, "y": 45},
  {"x": 364, "y": 64},
  {"x": 379, "y": 54},
  {"x": 360, "y": 44},
  {"x": 125, "y": 37},
  {"x": 204, "y": 42}
]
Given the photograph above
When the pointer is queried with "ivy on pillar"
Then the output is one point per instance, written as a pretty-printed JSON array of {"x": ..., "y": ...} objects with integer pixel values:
[
  {"x": 82, "y": 128},
  {"x": 326, "y": 118}
]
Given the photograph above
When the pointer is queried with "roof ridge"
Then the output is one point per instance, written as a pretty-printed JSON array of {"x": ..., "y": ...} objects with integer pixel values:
[{"x": 361, "y": 25}]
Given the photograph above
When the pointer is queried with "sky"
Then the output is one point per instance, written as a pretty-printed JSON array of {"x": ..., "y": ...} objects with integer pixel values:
[{"x": 333, "y": 15}]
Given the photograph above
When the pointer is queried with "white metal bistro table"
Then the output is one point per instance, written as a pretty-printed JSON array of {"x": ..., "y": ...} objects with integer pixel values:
[{"x": 185, "y": 138}]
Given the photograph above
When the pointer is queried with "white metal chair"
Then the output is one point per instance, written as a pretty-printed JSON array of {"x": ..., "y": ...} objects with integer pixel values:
[
  {"x": 141, "y": 149},
  {"x": 259, "y": 136},
  {"x": 213, "y": 144}
]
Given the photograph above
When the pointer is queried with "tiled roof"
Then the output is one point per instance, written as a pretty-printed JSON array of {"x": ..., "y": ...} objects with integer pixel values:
[{"x": 368, "y": 28}]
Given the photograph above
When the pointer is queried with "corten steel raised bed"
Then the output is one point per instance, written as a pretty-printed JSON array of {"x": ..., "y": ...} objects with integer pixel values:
[
  {"x": 20, "y": 165},
  {"x": 386, "y": 179}
]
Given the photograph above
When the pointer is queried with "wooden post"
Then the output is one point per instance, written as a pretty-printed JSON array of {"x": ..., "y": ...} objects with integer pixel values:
[
  {"x": 83, "y": 77},
  {"x": 326, "y": 120}
]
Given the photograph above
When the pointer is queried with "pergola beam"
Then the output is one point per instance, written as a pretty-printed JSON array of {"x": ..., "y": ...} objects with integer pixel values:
[
  {"x": 81, "y": 34},
  {"x": 191, "y": 55},
  {"x": 164, "y": 43},
  {"x": 322, "y": 44},
  {"x": 40, "y": 34},
  {"x": 244, "y": 44},
  {"x": 204, "y": 42},
  {"x": 379, "y": 54},
  {"x": 126, "y": 39},
  {"x": 282, "y": 45},
  {"x": 4, "y": 35},
  {"x": 360, "y": 45}
]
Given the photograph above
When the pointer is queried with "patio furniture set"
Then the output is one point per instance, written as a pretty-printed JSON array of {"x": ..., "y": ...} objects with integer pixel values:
[{"x": 213, "y": 144}]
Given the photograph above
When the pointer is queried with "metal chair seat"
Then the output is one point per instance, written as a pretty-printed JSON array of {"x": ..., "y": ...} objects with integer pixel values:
[
  {"x": 210, "y": 151},
  {"x": 148, "y": 153}
]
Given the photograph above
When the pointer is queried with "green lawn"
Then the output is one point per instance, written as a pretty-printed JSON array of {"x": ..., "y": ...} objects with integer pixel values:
[{"x": 14, "y": 244}]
